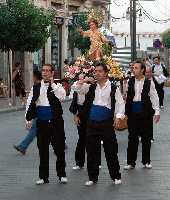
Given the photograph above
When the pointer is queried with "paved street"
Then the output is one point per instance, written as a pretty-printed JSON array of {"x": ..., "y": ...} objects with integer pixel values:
[{"x": 18, "y": 173}]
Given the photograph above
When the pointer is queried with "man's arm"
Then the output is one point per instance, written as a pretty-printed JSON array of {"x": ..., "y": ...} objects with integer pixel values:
[
  {"x": 120, "y": 104},
  {"x": 59, "y": 91},
  {"x": 155, "y": 101},
  {"x": 28, "y": 124},
  {"x": 119, "y": 108}
]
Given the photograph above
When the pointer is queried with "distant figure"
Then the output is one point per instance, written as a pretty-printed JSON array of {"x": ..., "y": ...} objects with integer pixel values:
[
  {"x": 160, "y": 74},
  {"x": 17, "y": 77}
]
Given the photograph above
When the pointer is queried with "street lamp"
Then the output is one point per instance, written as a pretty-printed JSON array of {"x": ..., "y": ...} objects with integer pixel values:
[{"x": 133, "y": 27}]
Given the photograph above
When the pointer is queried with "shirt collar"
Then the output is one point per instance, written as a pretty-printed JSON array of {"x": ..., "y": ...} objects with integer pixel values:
[
  {"x": 106, "y": 85},
  {"x": 45, "y": 84}
]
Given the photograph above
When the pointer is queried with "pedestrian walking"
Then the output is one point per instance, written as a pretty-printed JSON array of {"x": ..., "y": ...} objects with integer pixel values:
[
  {"x": 160, "y": 75},
  {"x": 44, "y": 104},
  {"x": 76, "y": 108},
  {"x": 149, "y": 76},
  {"x": 102, "y": 101},
  {"x": 17, "y": 77},
  {"x": 141, "y": 100},
  {"x": 32, "y": 132}
]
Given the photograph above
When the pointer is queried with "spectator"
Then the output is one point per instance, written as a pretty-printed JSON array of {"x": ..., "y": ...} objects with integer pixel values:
[{"x": 17, "y": 77}]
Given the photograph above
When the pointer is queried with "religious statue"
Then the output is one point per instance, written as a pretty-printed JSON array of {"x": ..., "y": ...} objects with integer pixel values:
[{"x": 97, "y": 39}]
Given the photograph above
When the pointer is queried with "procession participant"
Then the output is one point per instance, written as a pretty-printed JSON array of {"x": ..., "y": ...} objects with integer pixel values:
[
  {"x": 76, "y": 108},
  {"x": 103, "y": 99},
  {"x": 149, "y": 75},
  {"x": 160, "y": 74},
  {"x": 141, "y": 99},
  {"x": 44, "y": 104}
]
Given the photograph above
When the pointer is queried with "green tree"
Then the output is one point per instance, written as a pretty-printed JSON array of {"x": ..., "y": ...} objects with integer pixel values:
[
  {"x": 24, "y": 27},
  {"x": 166, "y": 38},
  {"x": 75, "y": 39}
]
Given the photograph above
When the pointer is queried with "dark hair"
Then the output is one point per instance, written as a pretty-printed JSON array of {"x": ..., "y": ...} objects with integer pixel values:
[
  {"x": 17, "y": 64},
  {"x": 49, "y": 65},
  {"x": 37, "y": 75},
  {"x": 158, "y": 57},
  {"x": 103, "y": 65},
  {"x": 142, "y": 64}
]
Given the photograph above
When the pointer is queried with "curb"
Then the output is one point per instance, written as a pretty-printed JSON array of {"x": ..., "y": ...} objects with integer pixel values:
[
  {"x": 12, "y": 109},
  {"x": 20, "y": 108}
]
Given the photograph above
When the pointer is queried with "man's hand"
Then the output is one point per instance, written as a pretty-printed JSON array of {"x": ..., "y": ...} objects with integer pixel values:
[
  {"x": 77, "y": 120},
  {"x": 80, "y": 29},
  {"x": 28, "y": 124},
  {"x": 156, "y": 118},
  {"x": 117, "y": 123}
]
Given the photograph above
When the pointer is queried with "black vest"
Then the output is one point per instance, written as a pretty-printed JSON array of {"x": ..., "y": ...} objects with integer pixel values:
[
  {"x": 54, "y": 102},
  {"x": 84, "y": 115},
  {"x": 145, "y": 98},
  {"x": 74, "y": 105}
]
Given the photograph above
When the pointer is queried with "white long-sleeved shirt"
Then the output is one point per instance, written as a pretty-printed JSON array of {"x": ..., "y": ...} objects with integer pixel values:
[
  {"x": 58, "y": 90},
  {"x": 158, "y": 70},
  {"x": 152, "y": 93},
  {"x": 102, "y": 97},
  {"x": 81, "y": 93}
]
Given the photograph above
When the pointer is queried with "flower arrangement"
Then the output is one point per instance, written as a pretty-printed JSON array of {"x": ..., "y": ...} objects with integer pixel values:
[
  {"x": 114, "y": 68},
  {"x": 80, "y": 69}
]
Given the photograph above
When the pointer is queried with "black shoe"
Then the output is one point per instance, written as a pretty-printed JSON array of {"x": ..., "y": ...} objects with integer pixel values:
[{"x": 19, "y": 149}]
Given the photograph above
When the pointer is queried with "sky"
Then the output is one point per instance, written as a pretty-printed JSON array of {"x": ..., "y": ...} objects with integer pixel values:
[{"x": 159, "y": 9}]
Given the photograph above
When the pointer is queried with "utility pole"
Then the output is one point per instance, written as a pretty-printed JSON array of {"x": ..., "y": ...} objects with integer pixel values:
[{"x": 133, "y": 29}]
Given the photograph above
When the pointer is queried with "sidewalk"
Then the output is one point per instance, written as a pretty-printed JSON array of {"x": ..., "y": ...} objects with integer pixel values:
[{"x": 6, "y": 107}]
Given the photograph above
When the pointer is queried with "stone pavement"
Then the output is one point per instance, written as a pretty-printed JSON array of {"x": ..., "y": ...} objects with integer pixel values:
[{"x": 18, "y": 173}]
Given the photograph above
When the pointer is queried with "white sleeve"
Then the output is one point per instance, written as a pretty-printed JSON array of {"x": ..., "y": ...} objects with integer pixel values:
[
  {"x": 80, "y": 88},
  {"x": 29, "y": 99},
  {"x": 59, "y": 91},
  {"x": 154, "y": 98},
  {"x": 119, "y": 105}
]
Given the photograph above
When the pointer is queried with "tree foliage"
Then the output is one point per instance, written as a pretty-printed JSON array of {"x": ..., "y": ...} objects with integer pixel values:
[
  {"x": 23, "y": 26},
  {"x": 76, "y": 40},
  {"x": 166, "y": 38}
]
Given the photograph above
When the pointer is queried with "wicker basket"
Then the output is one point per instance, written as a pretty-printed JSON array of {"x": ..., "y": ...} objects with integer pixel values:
[{"x": 167, "y": 83}]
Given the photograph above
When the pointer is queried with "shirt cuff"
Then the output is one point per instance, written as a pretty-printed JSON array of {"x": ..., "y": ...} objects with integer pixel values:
[
  {"x": 55, "y": 86},
  {"x": 120, "y": 116},
  {"x": 157, "y": 112}
]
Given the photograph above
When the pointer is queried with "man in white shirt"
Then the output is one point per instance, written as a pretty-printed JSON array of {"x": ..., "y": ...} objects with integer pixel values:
[
  {"x": 75, "y": 108},
  {"x": 141, "y": 100},
  {"x": 44, "y": 104},
  {"x": 149, "y": 76},
  {"x": 103, "y": 100},
  {"x": 160, "y": 74}
]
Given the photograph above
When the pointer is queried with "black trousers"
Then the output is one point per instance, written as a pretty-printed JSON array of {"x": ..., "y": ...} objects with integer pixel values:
[
  {"x": 97, "y": 131},
  {"x": 139, "y": 125},
  {"x": 51, "y": 132},
  {"x": 81, "y": 145},
  {"x": 160, "y": 91}
]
